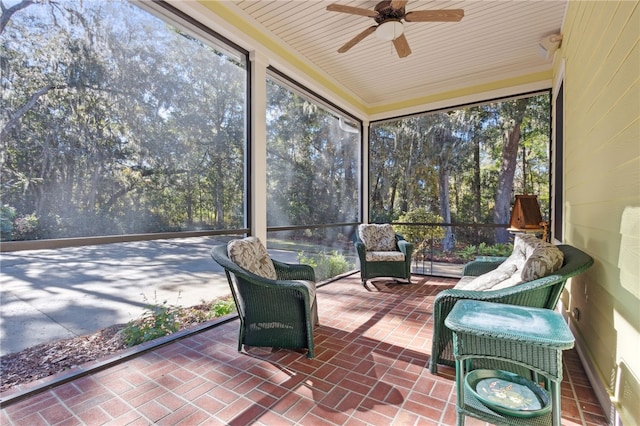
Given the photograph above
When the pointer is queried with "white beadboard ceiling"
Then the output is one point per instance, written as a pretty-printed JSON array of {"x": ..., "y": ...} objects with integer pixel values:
[{"x": 496, "y": 40}]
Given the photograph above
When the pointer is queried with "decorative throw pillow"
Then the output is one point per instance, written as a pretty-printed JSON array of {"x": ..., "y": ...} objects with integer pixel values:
[
  {"x": 544, "y": 260},
  {"x": 377, "y": 237},
  {"x": 249, "y": 253}
]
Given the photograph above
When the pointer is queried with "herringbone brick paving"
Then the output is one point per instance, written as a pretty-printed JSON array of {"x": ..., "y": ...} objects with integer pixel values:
[{"x": 372, "y": 349}]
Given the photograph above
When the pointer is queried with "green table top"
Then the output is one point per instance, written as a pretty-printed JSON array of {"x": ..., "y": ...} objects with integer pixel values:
[{"x": 519, "y": 323}]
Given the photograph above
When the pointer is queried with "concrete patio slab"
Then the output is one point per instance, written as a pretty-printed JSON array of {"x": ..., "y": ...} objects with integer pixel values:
[{"x": 47, "y": 295}]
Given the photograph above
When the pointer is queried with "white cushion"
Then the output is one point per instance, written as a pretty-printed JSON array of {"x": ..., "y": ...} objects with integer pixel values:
[
  {"x": 377, "y": 237},
  {"x": 384, "y": 256},
  {"x": 521, "y": 244},
  {"x": 249, "y": 253},
  {"x": 486, "y": 281},
  {"x": 530, "y": 259},
  {"x": 509, "y": 282}
]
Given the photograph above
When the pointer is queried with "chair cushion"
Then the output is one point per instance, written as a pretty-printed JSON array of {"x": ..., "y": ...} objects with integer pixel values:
[
  {"x": 249, "y": 253},
  {"x": 384, "y": 256},
  {"x": 530, "y": 259},
  {"x": 486, "y": 281},
  {"x": 378, "y": 237},
  {"x": 522, "y": 244}
]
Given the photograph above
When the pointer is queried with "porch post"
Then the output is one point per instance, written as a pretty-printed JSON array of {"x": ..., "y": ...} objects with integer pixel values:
[
  {"x": 258, "y": 147},
  {"x": 364, "y": 190}
]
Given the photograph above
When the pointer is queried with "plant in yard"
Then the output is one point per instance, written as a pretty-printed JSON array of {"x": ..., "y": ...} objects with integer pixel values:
[
  {"x": 420, "y": 236},
  {"x": 158, "y": 320},
  {"x": 25, "y": 227},
  {"x": 497, "y": 250},
  {"x": 468, "y": 253},
  {"x": 222, "y": 307},
  {"x": 7, "y": 215},
  {"x": 326, "y": 265}
]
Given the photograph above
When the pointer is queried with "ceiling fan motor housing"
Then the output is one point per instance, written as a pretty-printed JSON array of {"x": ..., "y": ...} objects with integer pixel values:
[{"x": 386, "y": 12}]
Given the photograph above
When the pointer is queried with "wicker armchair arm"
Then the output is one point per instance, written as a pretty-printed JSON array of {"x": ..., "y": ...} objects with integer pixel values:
[
  {"x": 292, "y": 271},
  {"x": 521, "y": 294},
  {"x": 405, "y": 247},
  {"x": 360, "y": 248}
]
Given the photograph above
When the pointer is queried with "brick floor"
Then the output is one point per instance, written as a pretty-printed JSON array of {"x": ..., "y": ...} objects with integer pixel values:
[{"x": 372, "y": 349}]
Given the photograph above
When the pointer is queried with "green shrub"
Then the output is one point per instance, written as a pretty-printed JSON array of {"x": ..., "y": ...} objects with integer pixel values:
[
  {"x": 498, "y": 250},
  {"x": 25, "y": 227},
  {"x": 221, "y": 308},
  {"x": 161, "y": 319},
  {"x": 326, "y": 265},
  {"x": 420, "y": 236},
  {"x": 468, "y": 253},
  {"x": 7, "y": 215},
  {"x": 157, "y": 321}
]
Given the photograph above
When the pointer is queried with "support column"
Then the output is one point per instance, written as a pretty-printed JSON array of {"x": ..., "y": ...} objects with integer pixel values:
[
  {"x": 364, "y": 191},
  {"x": 258, "y": 147}
]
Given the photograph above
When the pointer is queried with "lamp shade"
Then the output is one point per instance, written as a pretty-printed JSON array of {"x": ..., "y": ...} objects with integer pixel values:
[
  {"x": 389, "y": 30},
  {"x": 526, "y": 213}
]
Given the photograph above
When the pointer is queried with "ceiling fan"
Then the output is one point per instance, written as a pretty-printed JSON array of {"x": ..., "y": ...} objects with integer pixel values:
[{"x": 389, "y": 16}]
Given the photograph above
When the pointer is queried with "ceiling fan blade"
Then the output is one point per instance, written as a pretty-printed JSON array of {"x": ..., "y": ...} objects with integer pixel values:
[
  {"x": 397, "y": 4},
  {"x": 402, "y": 46},
  {"x": 445, "y": 15},
  {"x": 357, "y": 39},
  {"x": 335, "y": 7}
]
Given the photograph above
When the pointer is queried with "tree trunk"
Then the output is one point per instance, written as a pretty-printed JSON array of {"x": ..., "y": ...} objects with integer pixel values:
[
  {"x": 392, "y": 199},
  {"x": 477, "y": 197},
  {"x": 511, "y": 138},
  {"x": 406, "y": 178},
  {"x": 219, "y": 201},
  {"x": 445, "y": 210}
]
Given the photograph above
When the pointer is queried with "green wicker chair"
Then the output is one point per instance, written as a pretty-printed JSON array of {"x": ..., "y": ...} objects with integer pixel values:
[
  {"x": 273, "y": 313},
  {"x": 384, "y": 268},
  {"x": 540, "y": 293}
]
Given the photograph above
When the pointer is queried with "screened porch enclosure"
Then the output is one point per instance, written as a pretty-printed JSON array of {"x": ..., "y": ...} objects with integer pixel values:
[{"x": 168, "y": 153}]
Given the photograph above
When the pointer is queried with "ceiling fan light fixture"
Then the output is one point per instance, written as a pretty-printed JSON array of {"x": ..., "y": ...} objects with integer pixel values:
[{"x": 389, "y": 30}]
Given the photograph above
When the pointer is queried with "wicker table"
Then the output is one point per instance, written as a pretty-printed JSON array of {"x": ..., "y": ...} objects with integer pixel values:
[{"x": 533, "y": 338}]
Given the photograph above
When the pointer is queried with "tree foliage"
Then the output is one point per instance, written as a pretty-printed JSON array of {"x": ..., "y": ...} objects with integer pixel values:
[
  {"x": 312, "y": 163},
  {"x": 113, "y": 122},
  {"x": 465, "y": 165}
]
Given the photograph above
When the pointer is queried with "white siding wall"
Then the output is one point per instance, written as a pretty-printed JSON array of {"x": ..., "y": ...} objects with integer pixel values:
[{"x": 601, "y": 53}]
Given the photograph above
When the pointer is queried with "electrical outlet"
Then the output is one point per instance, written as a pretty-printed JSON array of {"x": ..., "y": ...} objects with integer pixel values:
[{"x": 576, "y": 314}]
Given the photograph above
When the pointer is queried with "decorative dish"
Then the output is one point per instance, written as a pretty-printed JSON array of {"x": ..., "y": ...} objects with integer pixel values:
[{"x": 507, "y": 393}]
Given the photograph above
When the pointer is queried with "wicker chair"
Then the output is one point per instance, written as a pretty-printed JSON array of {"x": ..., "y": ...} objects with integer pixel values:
[
  {"x": 277, "y": 313},
  {"x": 392, "y": 261},
  {"x": 540, "y": 293}
]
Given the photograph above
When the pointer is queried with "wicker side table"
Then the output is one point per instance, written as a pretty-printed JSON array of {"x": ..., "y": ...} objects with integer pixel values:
[{"x": 533, "y": 338}]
